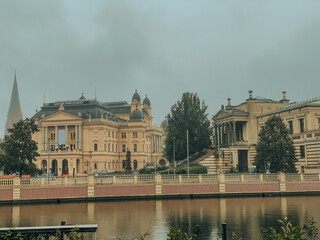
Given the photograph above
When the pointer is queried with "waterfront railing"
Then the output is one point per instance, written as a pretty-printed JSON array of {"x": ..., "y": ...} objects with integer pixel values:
[{"x": 163, "y": 179}]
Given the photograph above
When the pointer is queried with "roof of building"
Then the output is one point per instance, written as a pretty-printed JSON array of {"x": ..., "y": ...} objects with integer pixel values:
[
  {"x": 315, "y": 102},
  {"x": 136, "y": 116},
  {"x": 146, "y": 101},
  {"x": 80, "y": 108},
  {"x": 230, "y": 111},
  {"x": 136, "y": 96}
]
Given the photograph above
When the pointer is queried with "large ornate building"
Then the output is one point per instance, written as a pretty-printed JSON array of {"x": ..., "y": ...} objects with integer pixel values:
[
  {"x": 236, "y": 130},
  {"x": 86, "y": 136}
]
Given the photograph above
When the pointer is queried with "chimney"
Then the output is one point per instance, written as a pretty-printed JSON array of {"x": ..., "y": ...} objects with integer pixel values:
[
  {"x": 250, "y": 94},
  {"x": 284, "y": 97},
  {"x": 229, "y": 102}
]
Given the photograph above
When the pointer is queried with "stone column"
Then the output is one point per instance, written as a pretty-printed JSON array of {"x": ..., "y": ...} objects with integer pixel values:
[
  {"x": 215, "y": 135},
  {"x": 80, "y": 136},
  {"x": 220, "y": 137},
  {"x": 76, "y": 136},
  {"x": 56, "y": 136},
  {"x": 43, "y": 139},
  {"x": 234, "y": 132},
  {"x": 66, "y": 136},
  {"x": 46, "y": 138}
]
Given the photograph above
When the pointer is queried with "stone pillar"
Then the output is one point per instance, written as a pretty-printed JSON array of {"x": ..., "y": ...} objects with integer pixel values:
[
  {"x": 16, "y": 188},
  {"x": 66, "y": 136},
  {"x": 282, "y": 178},
  {"x": 80, "y": 136},
  {"x": 43, "y": 139},
  {"x": 90, "y": 185},
  {"x": 234, "y": 132},
  {"x": 215, "y": 135},
  {"x": 56, "y": 136},
  {"x": 222, "y": 183},
  {"x": 76, "y": 136}
]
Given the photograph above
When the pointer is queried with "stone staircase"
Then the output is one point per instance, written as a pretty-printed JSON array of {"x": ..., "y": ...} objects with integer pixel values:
[{"x": 210, "y": 162}]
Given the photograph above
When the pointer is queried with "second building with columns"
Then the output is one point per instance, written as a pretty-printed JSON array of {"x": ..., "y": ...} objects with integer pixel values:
[
  {"x": 236, "y": 129},
  {"x": 86, "y": 136}
]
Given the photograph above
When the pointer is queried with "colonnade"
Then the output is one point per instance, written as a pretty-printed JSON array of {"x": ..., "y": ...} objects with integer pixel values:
[
  {"x": 77, "y": 136},
  {"x": 157, "y": 143},
  {"x": 225, "y": 134}
]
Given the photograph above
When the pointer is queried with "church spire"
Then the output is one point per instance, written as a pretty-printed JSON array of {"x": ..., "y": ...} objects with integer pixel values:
[{"x": 14, "y": 113}]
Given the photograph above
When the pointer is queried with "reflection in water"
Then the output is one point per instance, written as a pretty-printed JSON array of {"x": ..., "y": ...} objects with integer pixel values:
[{"x": 128, "y": 219}]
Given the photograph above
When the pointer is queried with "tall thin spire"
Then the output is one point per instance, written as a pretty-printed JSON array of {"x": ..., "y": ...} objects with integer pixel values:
[{"x": 14, "y": 113}]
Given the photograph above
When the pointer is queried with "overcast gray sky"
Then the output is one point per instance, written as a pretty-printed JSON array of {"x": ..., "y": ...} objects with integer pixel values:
[{"x": 216, "y": 48}]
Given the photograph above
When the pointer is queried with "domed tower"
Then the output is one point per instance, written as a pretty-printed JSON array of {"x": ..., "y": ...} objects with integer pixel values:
[
  {"x": 136, "y": 102},
  {"x": 147, "y": 110}
]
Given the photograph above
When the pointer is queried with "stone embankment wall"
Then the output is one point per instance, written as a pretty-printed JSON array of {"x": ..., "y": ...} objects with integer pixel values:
[{"x": 82, "y": 188}]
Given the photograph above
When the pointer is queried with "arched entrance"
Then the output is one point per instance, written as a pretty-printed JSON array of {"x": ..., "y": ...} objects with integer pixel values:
[
  {"x": 44, "y": 166},
  {"x": 54, "y": 168},
  {"x": 65, "y": 169},
  {"x": 78, "y": 166},
  {"x": 162, "y": 162}
]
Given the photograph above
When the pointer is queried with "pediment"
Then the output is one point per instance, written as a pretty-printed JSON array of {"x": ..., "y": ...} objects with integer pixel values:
[
  {"x": 59, "y": 117},
  {"x": 221, "y": 114}
]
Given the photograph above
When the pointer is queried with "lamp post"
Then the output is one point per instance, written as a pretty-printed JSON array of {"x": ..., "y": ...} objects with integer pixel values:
[
  {"x": 87, "y": 163},
  {"x": 188, "y": 150},
  {"x": 48, "y": 164},
  {"x": 174, "y": 157},
  {"x": 318, "y": 153}
]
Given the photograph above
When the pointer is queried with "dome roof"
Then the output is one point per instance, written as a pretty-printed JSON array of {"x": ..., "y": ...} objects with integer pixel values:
[
  {"x": 136, "y": 116},
  {"x": 164, "y": 124},
  {"x": 146, "y": 101},
  {"x": 136, "y": 96}
]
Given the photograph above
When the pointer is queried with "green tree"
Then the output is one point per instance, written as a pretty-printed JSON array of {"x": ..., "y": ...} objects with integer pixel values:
[
  {"x": 18, "y": 150},
  {"x": 275, "y": 150},
  {"x": 187, "y": 114}
]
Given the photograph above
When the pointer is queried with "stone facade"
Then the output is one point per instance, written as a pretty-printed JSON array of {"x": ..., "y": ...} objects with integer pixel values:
[
  {"x": 236, "y": 131},
  {"x": 87, "y": 136}
]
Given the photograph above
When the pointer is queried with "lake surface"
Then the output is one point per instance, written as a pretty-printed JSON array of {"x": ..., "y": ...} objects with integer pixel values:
[{"x": 128, "y": 219}]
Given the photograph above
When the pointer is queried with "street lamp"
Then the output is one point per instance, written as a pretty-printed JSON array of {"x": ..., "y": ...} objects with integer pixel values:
[
  {"x": 318, "y": 154},
  {"x": 87, "y": 163},
  {"x": 174, "y": 156}
]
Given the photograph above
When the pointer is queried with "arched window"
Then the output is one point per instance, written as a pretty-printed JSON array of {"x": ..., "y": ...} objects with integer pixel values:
[
  {"x": 135, "y": 148},
  {"x": 144, "y": 163},
  {"x": 135, "y": 164},
  {"x": 124, "y": 164},
  {"x": 109, "y": 147},
  {"x": 112, "y": 147},
  {"x": 113, "y": 164},
  {"x": 123, "y": 148},
  {"x": 95, "y": 147}
]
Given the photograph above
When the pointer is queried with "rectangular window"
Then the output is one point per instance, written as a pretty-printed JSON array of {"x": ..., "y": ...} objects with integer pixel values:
[
  {"x": 302, "y": 152},
  {"x": 123, "y": 135},
  {"x": 301, "y": 121},
  {"x": 112, "y": 134},
  {"x": 135, "y": 134},
  {"x": 290, "y": 123}
]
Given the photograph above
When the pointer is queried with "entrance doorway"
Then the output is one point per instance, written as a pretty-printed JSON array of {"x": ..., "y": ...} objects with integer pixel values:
[
  {"x": 243, "y": 160},
  {"x": 65, "y": 169},
  {"x": 54, "y": 168}
]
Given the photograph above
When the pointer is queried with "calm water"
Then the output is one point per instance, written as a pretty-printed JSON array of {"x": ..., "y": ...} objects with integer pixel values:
[{"x": 128, "y": 219}]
